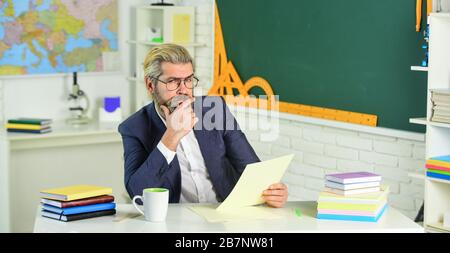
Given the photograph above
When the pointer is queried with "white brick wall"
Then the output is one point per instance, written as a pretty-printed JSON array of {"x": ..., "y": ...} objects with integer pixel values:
[
  {"x": 320, "y": 150},
  {"x": 377, "y": 158}
]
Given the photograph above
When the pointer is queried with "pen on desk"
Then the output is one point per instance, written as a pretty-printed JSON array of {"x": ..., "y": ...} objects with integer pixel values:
[{"x": 298, "y": 212}]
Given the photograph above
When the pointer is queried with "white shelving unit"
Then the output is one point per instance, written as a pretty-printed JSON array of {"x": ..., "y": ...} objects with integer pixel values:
[
  {"x": 177, "y": 24},
  {"x": 437, "y": 191}
]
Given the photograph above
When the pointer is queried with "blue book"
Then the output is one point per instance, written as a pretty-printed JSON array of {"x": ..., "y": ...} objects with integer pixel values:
[
  {"x": 438, "y": 175},
  {"x": 79, "y": 209},
  {"x": 42, "y": 131},
  {"x": 352, "y": 217},
  {"x": 445, "y": 158}
]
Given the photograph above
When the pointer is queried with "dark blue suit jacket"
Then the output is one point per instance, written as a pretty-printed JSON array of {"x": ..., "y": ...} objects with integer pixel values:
[{"x": 225, "y": 150}]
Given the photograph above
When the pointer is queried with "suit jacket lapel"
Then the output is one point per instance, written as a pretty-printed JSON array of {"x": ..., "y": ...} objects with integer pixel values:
[{"x": 158, "y": 128}]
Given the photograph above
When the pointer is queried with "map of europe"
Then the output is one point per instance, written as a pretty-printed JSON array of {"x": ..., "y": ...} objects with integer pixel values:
[{"x": 56, "y": 36}]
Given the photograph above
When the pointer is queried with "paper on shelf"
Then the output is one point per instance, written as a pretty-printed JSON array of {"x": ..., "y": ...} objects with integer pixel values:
[{"x": 182, "y": 28}]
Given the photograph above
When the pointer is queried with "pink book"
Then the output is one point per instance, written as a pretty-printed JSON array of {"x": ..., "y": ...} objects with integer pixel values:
[
  {"x": 435, "y": 167},
  {"x": 353, "y": 177}
]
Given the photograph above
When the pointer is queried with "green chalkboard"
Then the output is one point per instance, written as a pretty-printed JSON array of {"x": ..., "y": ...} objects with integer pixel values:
[{"x": 352, "y": 55}]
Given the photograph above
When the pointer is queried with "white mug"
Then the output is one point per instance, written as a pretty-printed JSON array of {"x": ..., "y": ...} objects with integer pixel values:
[{"x": 156, "y": 202}]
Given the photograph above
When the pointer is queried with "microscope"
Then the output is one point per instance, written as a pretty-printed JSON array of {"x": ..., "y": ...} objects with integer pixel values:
[{"x": 79, "y": 104}]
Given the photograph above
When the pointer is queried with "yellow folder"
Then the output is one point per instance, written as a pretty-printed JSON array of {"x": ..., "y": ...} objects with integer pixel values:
[
  {"x": 75, "y": 192},
  {"x": 25, "y": 126}
]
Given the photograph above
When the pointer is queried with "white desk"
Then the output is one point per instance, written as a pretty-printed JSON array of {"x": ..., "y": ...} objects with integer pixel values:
[
  {"x": 87, "y": 154},
  {"x": 182, "y": 219}
]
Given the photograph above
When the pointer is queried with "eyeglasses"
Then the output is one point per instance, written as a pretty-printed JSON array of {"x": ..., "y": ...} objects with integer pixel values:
[{"x": 174, "y": 83}]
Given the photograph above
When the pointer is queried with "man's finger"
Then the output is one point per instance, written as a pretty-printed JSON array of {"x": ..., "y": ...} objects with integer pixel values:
[
  {"x": 275, "y": 204},
  {"x": 273, "y": 199},
  {"x": 186, "y": 103},
  {"x": 274, "y": 193},
  {"x": 277, "y": 186},
  {"x": 195, "y": 121},
  {"x": 165, "y": 111}
]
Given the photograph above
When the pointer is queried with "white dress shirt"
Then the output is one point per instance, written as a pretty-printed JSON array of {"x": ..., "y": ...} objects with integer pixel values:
[{"x": 196, "y": 185}]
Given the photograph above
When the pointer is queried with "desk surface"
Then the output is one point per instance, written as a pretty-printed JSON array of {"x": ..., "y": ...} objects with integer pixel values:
[{"x": 181, "y": 219}]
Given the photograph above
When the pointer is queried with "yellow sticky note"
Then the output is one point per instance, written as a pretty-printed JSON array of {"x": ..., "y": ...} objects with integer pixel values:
[
  {"x": 256, "y": 178},
  {"x": 182, "y": 28}
]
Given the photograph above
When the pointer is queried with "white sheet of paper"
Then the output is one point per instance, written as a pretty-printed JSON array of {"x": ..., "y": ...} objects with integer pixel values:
[{"x": 256, "y": 178}]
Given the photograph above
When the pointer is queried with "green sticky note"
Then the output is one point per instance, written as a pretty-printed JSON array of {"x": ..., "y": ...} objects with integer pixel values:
[{"x": 298, "y": 212}]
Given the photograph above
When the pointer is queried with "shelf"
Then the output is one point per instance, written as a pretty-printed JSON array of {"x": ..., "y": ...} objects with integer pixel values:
[
  {"x": 423, "y": 121},
  {"x": 440, "y": 14},
  {"x": 148, "y": 43},
  {"x": 437, "y": 190},
  {"x": 439, "y": 180},
  {"x": 437, "y": 227},
  {"x": 134, "y": 79},
  {"x": 419, "y": 68},
  {"x": 64, "y": 134}
]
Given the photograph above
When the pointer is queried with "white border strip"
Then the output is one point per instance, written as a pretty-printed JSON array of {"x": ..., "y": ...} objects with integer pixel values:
[{"x": 337, "y": 124}]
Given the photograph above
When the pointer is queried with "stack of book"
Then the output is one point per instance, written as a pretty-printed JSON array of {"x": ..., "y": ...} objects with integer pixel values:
[
  {"x": 355, "y": 196},
  {"x": 77, "y": 202},
  {"x": 29, "y": 125},
  {"x": 438, "y": 167},
  {"x": 440, "y": 99},
  {"x": 352, "y": 183}
]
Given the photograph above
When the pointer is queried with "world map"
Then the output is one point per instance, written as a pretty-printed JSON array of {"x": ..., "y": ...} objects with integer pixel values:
[{"x": 57, "y": 36}]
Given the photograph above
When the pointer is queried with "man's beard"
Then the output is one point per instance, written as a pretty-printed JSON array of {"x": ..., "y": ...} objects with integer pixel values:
[{"x": 158, "y": 102}]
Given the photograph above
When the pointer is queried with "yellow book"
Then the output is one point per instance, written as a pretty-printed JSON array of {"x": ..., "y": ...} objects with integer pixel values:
[
  {"x": 438, "y": 163},
  {"x": 75, "y": 192},
  {"x": 364, "y": 198},
  {"x": 347, "y": 206},
  {"x": 25, "y": 126}
]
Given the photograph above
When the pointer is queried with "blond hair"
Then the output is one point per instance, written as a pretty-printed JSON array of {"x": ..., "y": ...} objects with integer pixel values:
[{"x": 165, "y": 53}]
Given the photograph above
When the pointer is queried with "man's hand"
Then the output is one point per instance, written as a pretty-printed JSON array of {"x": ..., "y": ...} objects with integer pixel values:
[
  {"x": 276, "y": 195},
  {"x": 179, "y": 123}
]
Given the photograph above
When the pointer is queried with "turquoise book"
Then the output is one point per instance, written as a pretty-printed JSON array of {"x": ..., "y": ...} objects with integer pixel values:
[
  {"x": 32, "y": 121},
  {"x": 352, "y": 217},
  {"x": 42, "y": 131},
  {"x": 79, "y": 209},
  {"x": 445, "y": 158}
]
